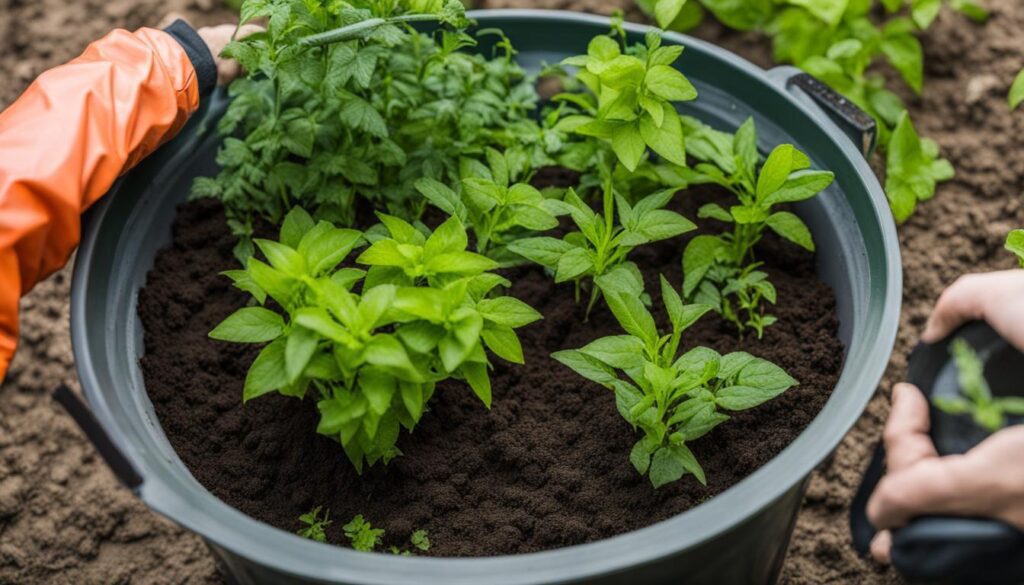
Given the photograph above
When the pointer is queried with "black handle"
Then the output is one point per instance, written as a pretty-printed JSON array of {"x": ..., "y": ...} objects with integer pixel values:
[
  {"x": 116, "y": 460},
  {"x": 855, "y": 122}
]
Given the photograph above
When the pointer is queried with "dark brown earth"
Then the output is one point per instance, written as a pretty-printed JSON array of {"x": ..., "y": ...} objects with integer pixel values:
[
  {"x": 546, "y": 467},
  {"x": 64, "y": 518}
]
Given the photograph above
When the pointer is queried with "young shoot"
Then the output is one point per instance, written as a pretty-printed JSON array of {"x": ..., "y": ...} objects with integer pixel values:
[
  {"x": 604, "y": 240},
  {"x": 987, "y": 411},
  {"x": 363, "y": 536},
  {"x": 721, "y": 271},
  {"x": 1015, "y": 244},
  {"x": 673, "y": 399},
  {"x": 371, "y": 345},
  {"x": 315, "y": 525}
]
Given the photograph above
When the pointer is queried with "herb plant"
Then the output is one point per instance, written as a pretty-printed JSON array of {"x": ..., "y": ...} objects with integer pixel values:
[
  {"x": 1015, "y": 244},
  {"x": 721, "y": 271},
  {"x": 674, "y": 399},
  {"x": 987, "y": 411},
  {"x": 345, "y": 101},
  {"x": 363, "y": 536},
  {"x": 371, "y": 345},
  {"x": 840, "y": 42},
  {"x": 601, "y": 243},
  {"x": 315, "y": 525}
]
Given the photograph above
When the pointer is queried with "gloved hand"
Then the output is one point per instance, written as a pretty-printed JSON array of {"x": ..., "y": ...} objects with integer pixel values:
[{"x": 987, "y": 481}]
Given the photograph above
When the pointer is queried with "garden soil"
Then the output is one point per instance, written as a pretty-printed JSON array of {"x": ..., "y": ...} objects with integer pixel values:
[{"x": 64, "y": 518}]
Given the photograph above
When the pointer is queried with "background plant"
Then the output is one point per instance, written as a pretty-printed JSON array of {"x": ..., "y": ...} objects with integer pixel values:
[
  {"x": 344, "y": 101},
  {"x": 672, "y": 398},
  {"x": 1015, "y": 244},
  {"x": 987, "y": 411},
  {"x": 371, "y": 345},
  {"x": 314, "y": 525},
  {"x": 601, "y": 244},
  {"x": 721, "y": 271},
  {"x": 363, "y": 536},
  {"x": 842, "y": 42}
]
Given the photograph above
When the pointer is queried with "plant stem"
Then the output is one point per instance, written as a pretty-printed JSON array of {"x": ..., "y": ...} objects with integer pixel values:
[{"x": 356, "y": 30}]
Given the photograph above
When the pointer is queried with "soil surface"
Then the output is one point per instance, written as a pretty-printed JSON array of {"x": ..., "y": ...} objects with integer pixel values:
[
  {"x": 65, "y": 519},
  {"x": 546, "y": 467}
]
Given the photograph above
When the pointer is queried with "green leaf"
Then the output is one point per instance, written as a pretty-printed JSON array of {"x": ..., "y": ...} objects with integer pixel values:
[
  {"x": 545, "y": 251},
  {"x": 299, "y": 349},
  {"x": 669, "y": 84},
  {"x": 760, "y": 373},
  {"x": 665, "y": 12},
  {"x": 440, "y": 196},
  {"x": 799, "y": 186},
  {"x": 829, "y": 11},
  {"x": 671, "y": 463},
  {"x": 504, "y": 342},
  {"x": 662, "y": 224},
  {"x": 630, "y": 312},
  {"x": 267, "y": 373},
  {"x": 924, "y": 12},
  {"x": 387, "y": 352},
  {"x": 1017, "y": 91},
  {"x": 617, "y": 351},
  {"x": 1013, "y": 405},
  {"x": 324, "y": 249},
  {"x": 295, "y": 225},
  {"x": 782, "y": 161},
  {"x": 282, "y": 258},
  {"x": 586, "y": 366},
  {"x": 744, "y": 397},
  {"x": 250, "y": 325},
  {"x": 640, "y": 455},
  {"x": 905, "y": 53},
  {"x": 479, "y": 381},
  {"x": 378, "y": 388},
  {"x": 508, "y": 311},
  {"x": 629, "y": 145},
  {"x": 449, "y": 238},
  {"x": 714, "y": 211},
  {"x": 573, "y": 264},
  {"x": 466, "y": 263},
  {"x": 1015, "y": 244},
  {"x": 698, "y": 258},
  {"x": 792, "y": 228},
  {"x": 666, "y": 140},
  {"x": 359, "y": 114},
  {"x": 732, "y": 363}
]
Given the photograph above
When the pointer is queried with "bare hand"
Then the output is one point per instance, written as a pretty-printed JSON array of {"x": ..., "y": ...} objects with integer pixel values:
[
  {"x": 995, "y": 297},
  {"x": 216, "y": 38},
  {"x": 987, "y": 481}
]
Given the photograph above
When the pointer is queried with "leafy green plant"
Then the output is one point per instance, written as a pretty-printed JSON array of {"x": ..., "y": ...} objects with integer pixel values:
[
  {"x": 363, "y": 536},
  {"x": 371, "y": 345},
  {"x": 841, "y": 42},
  {"x": 721, "y": 271},
  {"x": 630, "y": 104},
  {"x": 601, "y": 244},
  {"x": 987, "y": 411},
  {"x": 1016, "y": 91},
  {"x": 315, "y": 525},
  {"x": 672, "y": 398},
  {"x": 420, "y": 540},
  {"x": 1015, "y": 244},
  {"x": 496, "y": 208},
  {"x": 345, "y": 101}
]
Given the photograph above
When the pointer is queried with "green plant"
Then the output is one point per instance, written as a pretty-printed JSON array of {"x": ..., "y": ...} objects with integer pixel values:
[
  {"x": 1016, "y": 95},
  {"x": 841, "y": 42},
  {"x": 496, "y": 207},
  {"x": 601, "y": 243},
  {"x": 672, "y": 398},
  {"x": 363, "y": 536},
  {"x": 315, "y": 526},
  {"x": 987, "y": 411},
  {"x": 420, "y": 540},
  {"x": 371, "y": 345},
  {"x": 721, "y": 271},
  {"x": 1015, "y": 244},
  {"x": 344, "y": 100}
]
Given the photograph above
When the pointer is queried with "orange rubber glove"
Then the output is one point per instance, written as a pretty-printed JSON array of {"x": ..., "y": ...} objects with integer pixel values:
[{"x": 66, "y": 140}]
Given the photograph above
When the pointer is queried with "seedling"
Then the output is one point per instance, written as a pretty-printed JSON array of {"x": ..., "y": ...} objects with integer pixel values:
[
  {"x": 363, "y": 536},
  {"x": 420, "y": 540},
  {"x": 372, "y": 345},
  {"x": 1015, "y": 244},
  {"x": 987, "y": 411},
  {"x": 721, "y": 271},
  {"x": 497, "y": 209},
  {"x": 601, "y": 244},
  {"x": 674, "y": 399},
  {"x": 315, "y": 525}
]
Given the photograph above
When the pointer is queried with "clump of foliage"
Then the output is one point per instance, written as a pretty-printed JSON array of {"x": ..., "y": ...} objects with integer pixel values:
[
  {"x": 601, "y": 244},
  {"x": 315, "y": 525},
  {"x": 840, "y": 41},
  {"x": 721, "y": 271},
  {"x": 672, "y": 398},
  {"x": 1015, "y": 244},
  {"x": 363, "y": 536},
  {"x": 344, "y": 100},
  {"x": 370, "y": 345},
  {"x": 498, "y": 209},
  {"x": 987, "y": 411}
]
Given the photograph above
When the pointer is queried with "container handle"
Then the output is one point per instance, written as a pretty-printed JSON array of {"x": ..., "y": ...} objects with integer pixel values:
[
  {"x": 858, "y": 126},
  {"x": 94, "y": 431}
]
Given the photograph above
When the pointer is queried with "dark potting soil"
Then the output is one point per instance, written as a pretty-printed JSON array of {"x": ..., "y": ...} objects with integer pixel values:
[{"x": 546, "y": 467}]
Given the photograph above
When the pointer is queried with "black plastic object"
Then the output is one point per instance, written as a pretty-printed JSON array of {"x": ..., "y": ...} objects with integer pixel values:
[
  {"x": 738, "y": 537},
  {"x": 947, "y": 550},
  {"x": 118, "y": 463},
  {"x": 858, "y": 125}
]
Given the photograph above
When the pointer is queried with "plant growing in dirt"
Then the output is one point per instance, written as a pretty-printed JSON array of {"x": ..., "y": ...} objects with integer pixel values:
[
  {"x": 841, "y": 43},
  {"x": 721, "y": 271},
  {"x": 315, "y": 525},
  {"x": 674, "y": 399},
  {"x": 1015, "y": 244},
  {"x": 363, "y": 536},
  {"x": 496, "y": 207},
  {"x": 344, "y": 100},
  {"x": 986, "y": 410},
  {"x": 371, "y": 345},
  {"x": 604, "y": 240}
]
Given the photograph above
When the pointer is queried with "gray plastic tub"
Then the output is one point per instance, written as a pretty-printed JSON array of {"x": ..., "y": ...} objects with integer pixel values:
[{"x": 738, "y": 537}]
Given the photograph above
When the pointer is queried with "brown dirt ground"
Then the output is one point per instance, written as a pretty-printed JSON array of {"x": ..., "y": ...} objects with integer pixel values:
[{"x": 63, "y": 517}]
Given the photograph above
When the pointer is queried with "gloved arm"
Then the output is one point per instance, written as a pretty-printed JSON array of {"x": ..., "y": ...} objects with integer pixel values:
[{"x": 73, "y": 132}]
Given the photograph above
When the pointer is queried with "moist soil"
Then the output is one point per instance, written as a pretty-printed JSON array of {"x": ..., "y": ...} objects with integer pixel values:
[
  {"x": 546, "y": 467},
  {"x": 64, "y": 519}
]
